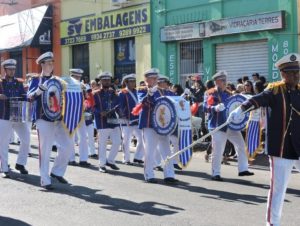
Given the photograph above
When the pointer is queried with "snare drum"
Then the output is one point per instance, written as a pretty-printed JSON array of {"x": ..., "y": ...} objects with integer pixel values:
[{"x": 20, "y": 111}]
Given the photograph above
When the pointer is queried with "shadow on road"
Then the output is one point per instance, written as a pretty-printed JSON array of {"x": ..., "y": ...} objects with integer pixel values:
[
  {"x": 106, "y": 202},
  {"x": 7, "y": 221}
]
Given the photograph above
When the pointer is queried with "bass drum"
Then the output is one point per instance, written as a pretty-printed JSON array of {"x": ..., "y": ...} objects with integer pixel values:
[
  {"x": 52, "y": 99},
  {"x": 164, "y": 116},
  {"x": 231, "y": 104}
]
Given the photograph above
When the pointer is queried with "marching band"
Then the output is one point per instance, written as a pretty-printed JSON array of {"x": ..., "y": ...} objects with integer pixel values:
[{"x": 63, "y": 106}]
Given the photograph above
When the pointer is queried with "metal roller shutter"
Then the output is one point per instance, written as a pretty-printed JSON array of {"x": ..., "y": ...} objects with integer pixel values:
[{"x": 245, "y": 58}]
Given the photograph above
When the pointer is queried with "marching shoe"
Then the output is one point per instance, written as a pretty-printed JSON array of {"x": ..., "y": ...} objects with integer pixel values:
[
  {"x": 151, "y": 181},
  {"x": 217, "y": 178},
  {"x": 94, "y": 156},
  {"x": 170, "y": 180},
  {"x": 84, "y": 164},
  {"x": 21, "y": 168},
  {"x": 246, "y": 173},
  {"x": 128, "y": 163},
  {"x": 176, "y": 166},
  {"x": 138, "y": 161},
  {"x": 102, "y": 169},
  {"x": 59, "y": 178},
  {"x": 48, "y": 187},
  {"x": 73, "y": 163},
  {"x": 113, "y": 166},
  {"x": 158, "y": 168},
  {"x": 5, "y": 175}
]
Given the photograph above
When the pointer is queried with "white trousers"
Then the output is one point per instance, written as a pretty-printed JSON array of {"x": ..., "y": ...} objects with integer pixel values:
[
  {"x": 152, "y": 143},
  {"x": 48, "y": 132},
  {"x": 23, "y": 132},
  {"x": 280, "y": 170},
  {"x": 174, "y": 141},
  {"x": 90, "y": 139},
  {"x": 83, "y": 145},
  {"x": 218, "y": 146},
  {"x": 127, "y": 133},
  {"x": 115, "y": 137}
]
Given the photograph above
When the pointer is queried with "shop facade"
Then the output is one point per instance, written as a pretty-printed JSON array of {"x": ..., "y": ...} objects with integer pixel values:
[
  {"x": 242, "y": 37},
  {"x": 103, "y": 36},
  {"x": 29, "y": 30}
]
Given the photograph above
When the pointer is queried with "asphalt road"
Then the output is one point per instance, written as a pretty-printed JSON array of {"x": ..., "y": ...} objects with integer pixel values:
[{"x": 123, "y": 198}]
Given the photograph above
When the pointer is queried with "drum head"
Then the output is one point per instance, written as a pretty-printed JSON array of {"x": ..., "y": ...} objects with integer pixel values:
[
  {"x": 164, "y": 116},
  {"x": 231, "y": 104},
  {"x": 54, "y": 87}
]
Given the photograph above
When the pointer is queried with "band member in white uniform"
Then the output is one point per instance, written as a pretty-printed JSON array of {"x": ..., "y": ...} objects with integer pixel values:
[
  {"x": 106, "y": 105},
  {"x": 214, "y": 100},
  {"x": 283, "y": 128},
  {"x": 76, "y": 73},
  {"x": 10, "y": 88},
  {"x": 152, "y": 140},
  {"x": 128, "y": 100},
  {"x": 49, "y": 130}
]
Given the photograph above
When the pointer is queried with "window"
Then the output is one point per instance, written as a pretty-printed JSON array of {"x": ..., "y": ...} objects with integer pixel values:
[
  {"x": 81, "y": 59},
  {"x": 124, "y": 57},
  {"x": 191, "y": 59}
]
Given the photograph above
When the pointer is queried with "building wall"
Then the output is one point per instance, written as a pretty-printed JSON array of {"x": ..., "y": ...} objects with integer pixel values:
[
  {"x": 174, "y": 12},
  {"x": 101, "y": 53},
  {"x": 29, "y": 54}
]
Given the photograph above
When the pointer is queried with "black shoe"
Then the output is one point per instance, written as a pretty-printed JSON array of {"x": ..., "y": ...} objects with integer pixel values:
[
  {"x": 73, "y": 163},
  {"x": 102, "y": 169},
  {"x": 138, "y": 161},
  {"x": 84, "y": 164},
  {"x": 176, "y": 166},
  {"x": 171, "y": 180},
  {"x": 94, "y": 156},
  {"x": 21, "y": 168},
  {"x": 217, "y": 178},
  {"x": 48, "y": 187},
  {"x": 5, "y": 175},
  {"x": 54, "y": 148},
  {"x": 246, "y": 173},
  {"x": 151, "y": 181},
  {"x": 113, "y": 166},
  {"x": 128, "y": 163},
  {"x": 59, "y": 178},
  {"x": 158, "y": 168}
]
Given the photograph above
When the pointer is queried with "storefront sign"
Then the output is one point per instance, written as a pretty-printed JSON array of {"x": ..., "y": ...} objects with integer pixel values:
[
  {"x": 122, "y": 23},
  {"x": 258, "y": 22},
  {"x": 182, "y": 32}
]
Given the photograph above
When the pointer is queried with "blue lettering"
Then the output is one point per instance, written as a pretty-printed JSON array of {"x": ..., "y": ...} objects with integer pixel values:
[
  {"x": 118, "y": 20},
  {"x": 78, "y": 28},
  {"x": 112, "y": 25},
  {"x": 106, "y": 22},
  {"x": 138, "y": 16},
  {"x": 99, "y": 22},
  {"x": 131, "y": 17},
  {"x": 144, "y": 15},
  {"x": 87, "y": 25},
  {"x": 71, "y": 29},
  {"x": 125, "y": 19},
  {"x": 93, "y": 24}
]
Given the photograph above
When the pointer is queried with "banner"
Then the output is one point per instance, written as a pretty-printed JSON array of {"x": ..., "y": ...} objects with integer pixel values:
[
  {"x": 72, "y": 105},
  {"x": 184, "y": 130},
  {"x": 121, "y": 23}
]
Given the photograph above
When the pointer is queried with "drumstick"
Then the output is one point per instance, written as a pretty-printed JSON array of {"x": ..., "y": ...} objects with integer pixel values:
[{"x": 201, "y": 139}]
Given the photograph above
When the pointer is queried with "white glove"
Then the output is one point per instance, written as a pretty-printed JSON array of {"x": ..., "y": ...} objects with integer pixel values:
[
  {"x": 235, "y": 115},
  {"x": 40, "y": 90},
  {"x": 220, "y": 107},
  {"x": 152, "y": 90},
  {"x": 187, "y": 91}
]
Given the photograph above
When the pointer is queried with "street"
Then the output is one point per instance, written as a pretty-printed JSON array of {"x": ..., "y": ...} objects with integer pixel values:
[{"x": 123, "y": 198}]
